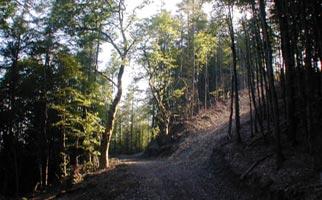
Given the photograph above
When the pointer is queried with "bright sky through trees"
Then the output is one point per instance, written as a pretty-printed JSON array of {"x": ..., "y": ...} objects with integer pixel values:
[
  {"x": 82, "y": 81},
  {"x": 151, "y": 9}
]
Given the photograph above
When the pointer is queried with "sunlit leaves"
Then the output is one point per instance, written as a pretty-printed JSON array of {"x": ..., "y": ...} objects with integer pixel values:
[
  {"x": 204, "y": 44},
  {"x": 74, "y": 106},
  {"x": 178, "y": 93},
  {"x": 164, "y": 27}
]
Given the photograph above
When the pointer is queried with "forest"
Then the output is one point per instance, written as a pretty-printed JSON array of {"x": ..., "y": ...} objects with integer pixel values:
[{"x": 84, "y": 81}]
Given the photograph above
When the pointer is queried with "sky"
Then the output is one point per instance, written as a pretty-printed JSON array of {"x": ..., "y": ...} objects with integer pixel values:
[{"x": 153, "y": 8}]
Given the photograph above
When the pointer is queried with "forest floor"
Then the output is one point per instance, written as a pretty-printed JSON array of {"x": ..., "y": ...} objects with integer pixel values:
[
  {"x": 137, "y": 178},
  {"x": 204, "y": 165},
  {"x": 196, "y": 170}
]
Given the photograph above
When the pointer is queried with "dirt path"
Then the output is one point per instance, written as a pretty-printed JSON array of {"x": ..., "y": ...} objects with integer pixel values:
[
  {"x": 163, "y": 179},
  {"x": 195, "y": 171}
]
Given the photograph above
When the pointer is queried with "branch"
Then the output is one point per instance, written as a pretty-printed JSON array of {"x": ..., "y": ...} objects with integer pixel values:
[
  {"x": 122, "y": 30},
  {"x": 106, "y": 77},
  {"x": 155, "y": 92},
  {"x": 133, "y": 15},
  {"x": 253, "y": 166},
  {"x": 111, "y": 41},
  {"x": 109, "y": 4},
  {"x": 107, "y": 36},
  {"x": 131, "y": 45}
]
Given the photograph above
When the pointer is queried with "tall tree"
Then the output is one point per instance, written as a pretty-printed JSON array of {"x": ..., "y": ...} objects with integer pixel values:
[
  {"x": 272, "y": 90},
  {"x": 123, "y": 48},
  {"x": 159, "y": 57},
  {"x": 287, "y": 51},
  {"x": 235, "y": 75}
]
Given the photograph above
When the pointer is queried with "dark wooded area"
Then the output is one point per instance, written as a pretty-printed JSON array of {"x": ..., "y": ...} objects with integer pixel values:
[{"x": 61, "y": 112}]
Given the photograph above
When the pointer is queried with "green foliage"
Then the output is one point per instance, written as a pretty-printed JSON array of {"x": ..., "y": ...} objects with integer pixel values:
[
  {"x": 53, "y": 104},
  {"x": 7, "y": 9},
  {"x": 132, "y": 131},
  {"x": 204, "y": 44},
  {"x": 53, "y": 101},
  {"x": 160, "y": 60}
]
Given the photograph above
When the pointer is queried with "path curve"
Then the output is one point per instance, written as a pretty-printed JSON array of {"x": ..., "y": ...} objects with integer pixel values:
[{"x": 194, "y": 171}]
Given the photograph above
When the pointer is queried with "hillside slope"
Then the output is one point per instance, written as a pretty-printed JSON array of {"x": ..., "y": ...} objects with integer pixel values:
[
  {"x": 196, "y": 170},
  {"x": 205, "y": 165}
]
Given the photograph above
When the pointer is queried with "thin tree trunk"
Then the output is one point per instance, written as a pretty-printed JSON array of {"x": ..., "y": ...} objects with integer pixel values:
[
  {"x": 251, "y": 83},
  {"x": 233, "y": 49},
  {"x": 13, "y": 129},
  {"x": 259, "y": 66},
  {"x": 206, "y": 84},
  {"x": 287, "y": 53},
  {"x": 308, "y": 83},
  {"x": 283, "y": 87},
  {"x": 45, "y": 112},
  {"x": 63, "y": 150},
  {"x": 14, "y": 76},
  {"x": 132, "y": 125},
  {"x": 250, "y": 108},
  {"x": 231, "y": 107},
  {"x": 107, "y": 135},
  {"x": 273, "y": 94}
]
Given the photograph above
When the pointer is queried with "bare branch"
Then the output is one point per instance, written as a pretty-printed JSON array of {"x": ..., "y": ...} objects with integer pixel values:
[
  {"x": 106, "y": 77},
  {"x": 112, "y": 42},
  {"x": 122, "y": 30},
  {"x": 131, "y": 45}
]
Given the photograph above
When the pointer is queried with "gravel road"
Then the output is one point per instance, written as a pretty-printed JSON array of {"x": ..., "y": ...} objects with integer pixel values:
[{"x": 194, "y": 171}]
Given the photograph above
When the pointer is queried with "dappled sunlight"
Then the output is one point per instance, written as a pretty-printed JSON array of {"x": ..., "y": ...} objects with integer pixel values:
[{"x": 160, "y": 99}]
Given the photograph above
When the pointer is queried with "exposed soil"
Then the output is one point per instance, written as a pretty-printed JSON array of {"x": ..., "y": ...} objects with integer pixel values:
[
  {"x": 138, "y": 178},
  {"x": 203, "y": 166},
  {"x": 194, "y": 171}
]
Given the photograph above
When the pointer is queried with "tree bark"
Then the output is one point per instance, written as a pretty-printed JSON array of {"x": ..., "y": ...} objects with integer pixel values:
[
  {"x": 272, "y": 90},
  {"x": 107, "y": 135},
  {"x": 287, "y": 53},
  {"x": 206, "y": 80},
  {"x": 233, "y": 49},
  {"x": 231, "y": 108},
  {"x": 250, "y": 74}
]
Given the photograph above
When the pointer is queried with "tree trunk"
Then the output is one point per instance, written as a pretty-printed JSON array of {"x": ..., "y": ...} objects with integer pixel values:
[
  {"x": 250, "y": 74},
  {"x": 287, "y": 53},
  {"x": 250, "y": 108},
  {"x": 64, "y": 157},
  {"x": 107, "y": 135},
  {"x": 132, "y": 127},
  {"x": 231, "y": 108},
  {"x": 309, "y": 87},
  {"x": 233, "y": 49},
  {"x": 206, "y": 84},
  {"x": 13, "y": 129},
  {"x": 45, "y": 114},
  {"x": 272, "y": 90}
]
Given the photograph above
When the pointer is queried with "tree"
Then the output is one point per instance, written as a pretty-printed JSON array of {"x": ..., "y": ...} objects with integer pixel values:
[
  {"x": 235, "y": 75},
  {"x": 50, "y": 104},
  {"x": 204, "y": 44},
  {"x": 123, "y": 49},
  {"x": 272, "y": 91},
  {"x": 159, "y": 59},
  {"x": 15, "y": 29},
  {"x": 193, "y": 21}
]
